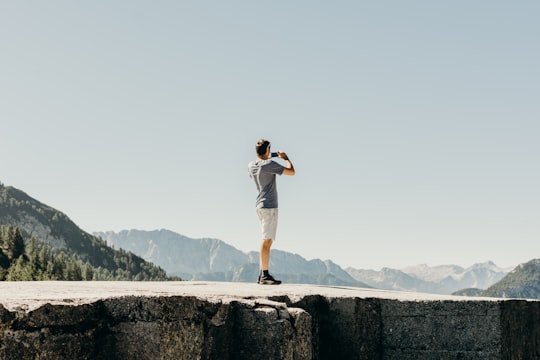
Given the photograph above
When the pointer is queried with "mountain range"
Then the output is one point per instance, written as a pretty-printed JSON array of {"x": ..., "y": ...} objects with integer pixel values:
[
  {"x": 146, "y": 255},
  {"x": 443, "y": 279},
  {"x": 213, "y": 259}
]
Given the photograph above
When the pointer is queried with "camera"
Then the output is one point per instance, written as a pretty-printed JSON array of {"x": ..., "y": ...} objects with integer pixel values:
[{"x": 274, "y": 154}]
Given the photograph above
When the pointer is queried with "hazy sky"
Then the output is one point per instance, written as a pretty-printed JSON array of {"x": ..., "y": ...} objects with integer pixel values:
[{"x": 414, "y": 126}]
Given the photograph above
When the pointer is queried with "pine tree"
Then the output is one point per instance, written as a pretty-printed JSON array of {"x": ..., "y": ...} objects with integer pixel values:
[
  {"x": 59, "y": 266},
  {"x": 14, "y": 244},
  {"x": 19, "y": 271},
  {"x": 4, "y": 260},
  {"x": 88, "y": 272},
  {"x": 73, "y": 271}
]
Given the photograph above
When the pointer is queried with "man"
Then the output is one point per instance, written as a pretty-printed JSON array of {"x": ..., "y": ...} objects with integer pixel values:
[{"x": 263, "y": 171}]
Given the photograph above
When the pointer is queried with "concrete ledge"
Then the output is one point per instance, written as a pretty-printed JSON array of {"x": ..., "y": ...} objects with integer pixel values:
[{"x": 216, "y": 320}]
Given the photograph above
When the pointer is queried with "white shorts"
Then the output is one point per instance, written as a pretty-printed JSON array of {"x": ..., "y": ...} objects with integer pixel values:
[{"x": 268, "y": 219}]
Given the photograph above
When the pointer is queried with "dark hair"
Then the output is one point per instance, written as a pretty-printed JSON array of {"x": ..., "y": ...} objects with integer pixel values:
[{"x": 262, "y": 146}]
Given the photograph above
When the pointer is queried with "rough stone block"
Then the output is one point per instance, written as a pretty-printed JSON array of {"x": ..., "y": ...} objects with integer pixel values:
[
  {"x": 520, "y": 329},
  {"x": 149, "y": 328},
  {"x": 441, "y": 328}
]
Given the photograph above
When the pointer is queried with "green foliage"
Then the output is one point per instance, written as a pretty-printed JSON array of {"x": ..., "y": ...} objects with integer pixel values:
[
  {"x": 36, "y": 260},
  {"x": 13, "y": 243},
  {"x": 80, "y": 256}
]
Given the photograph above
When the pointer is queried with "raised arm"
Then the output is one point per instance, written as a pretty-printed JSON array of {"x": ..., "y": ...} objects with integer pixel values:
[{"x": 289, "y": 170}]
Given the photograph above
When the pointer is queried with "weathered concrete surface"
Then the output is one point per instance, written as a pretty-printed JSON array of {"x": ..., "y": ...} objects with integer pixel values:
[{"x": 216, "y": 320}]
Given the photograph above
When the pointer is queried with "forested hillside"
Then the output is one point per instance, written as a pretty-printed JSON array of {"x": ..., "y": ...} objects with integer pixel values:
[
  {"x": 32, "y": 259},
  {"x": 53, "y": 244}
]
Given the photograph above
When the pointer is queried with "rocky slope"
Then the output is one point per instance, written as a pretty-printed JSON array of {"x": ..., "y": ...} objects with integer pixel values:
[{"x": 522, "y": 282}]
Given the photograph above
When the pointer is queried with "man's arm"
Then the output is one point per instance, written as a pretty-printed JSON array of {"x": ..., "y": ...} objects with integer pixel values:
[{"x": 289, "y": 167}]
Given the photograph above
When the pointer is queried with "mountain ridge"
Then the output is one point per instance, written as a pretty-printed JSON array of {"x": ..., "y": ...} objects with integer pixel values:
[
  {"x": 54, "y": 228},
  {"x": 221, "y": 261},
  {"x": 441, "y": 279},
  {"x": 214, "y": 259},
  {"x": 522, "y": 282}
]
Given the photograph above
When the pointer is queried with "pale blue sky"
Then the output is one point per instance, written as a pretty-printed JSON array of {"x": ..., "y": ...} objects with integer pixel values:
[{"x": 414, "y": 126}]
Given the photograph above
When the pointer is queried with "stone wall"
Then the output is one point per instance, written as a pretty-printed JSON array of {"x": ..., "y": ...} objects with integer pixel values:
[
  {"x": 311, "y": 323},
  {"x": 157, "y": 328}
]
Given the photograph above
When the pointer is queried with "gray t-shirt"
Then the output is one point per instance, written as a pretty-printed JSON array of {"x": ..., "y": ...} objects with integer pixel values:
[{"x": 263, "y": 172}]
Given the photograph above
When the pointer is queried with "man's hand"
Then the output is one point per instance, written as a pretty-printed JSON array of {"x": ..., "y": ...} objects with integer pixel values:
[
  {"x": 289, "y": 168},
  {"x": 282, "y": 155}
]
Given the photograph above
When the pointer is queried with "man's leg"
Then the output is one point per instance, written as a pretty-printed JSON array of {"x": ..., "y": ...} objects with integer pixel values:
[
  {"x": 268, "y": 218},
  {"x": 264, "y": 277},
  {"x": 265, "y": 254}
]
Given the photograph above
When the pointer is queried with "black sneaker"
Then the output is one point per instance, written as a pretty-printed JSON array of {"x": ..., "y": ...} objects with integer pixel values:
[{"x": 268, "y": 280}]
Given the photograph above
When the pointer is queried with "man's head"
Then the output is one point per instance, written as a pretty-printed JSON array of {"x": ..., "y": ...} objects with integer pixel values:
[{"x": 262, "y": 147}]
